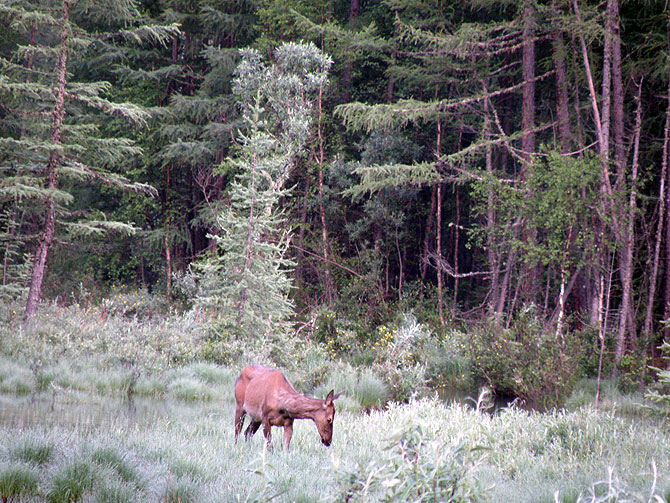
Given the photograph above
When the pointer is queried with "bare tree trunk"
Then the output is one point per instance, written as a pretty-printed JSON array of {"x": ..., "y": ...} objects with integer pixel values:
[
  {"x": 57, "y": 114},
  {"x": 530, "y": 273},
  {"x": 347, "y": 79},
  {"x": 648, "y": 320},
  {"x": 626, "y": 324},
  {"x": 491, "y": 248},
  {"x": 438, "y": 224},
  {"x": 562, "y": 101},
  {"x": 328, "y": 283},
  {"x": 457, "y": 233}
]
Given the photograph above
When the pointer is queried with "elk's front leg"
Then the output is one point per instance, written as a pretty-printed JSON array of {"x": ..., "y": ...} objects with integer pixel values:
[
  {"x": 267, "y": 431},
  {"x": 288, "y": 432}
]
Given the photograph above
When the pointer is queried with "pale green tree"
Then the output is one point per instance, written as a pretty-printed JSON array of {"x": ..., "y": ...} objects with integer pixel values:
[{"x": 248, "y": 279}]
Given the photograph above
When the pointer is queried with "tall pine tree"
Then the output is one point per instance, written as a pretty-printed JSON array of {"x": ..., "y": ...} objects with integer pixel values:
[{"x": 50, "y": 134}]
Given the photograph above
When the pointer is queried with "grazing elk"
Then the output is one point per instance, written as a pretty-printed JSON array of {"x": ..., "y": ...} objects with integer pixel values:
[{"x": 269, "y": 399}]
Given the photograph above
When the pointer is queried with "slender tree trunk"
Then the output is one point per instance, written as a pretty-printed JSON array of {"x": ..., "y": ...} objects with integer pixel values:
[
  {"x": 562, "y": 101},
  {"x": 438, "y": 242},
  {"x": 320, "y": 160},
  {"x": 347, "y": 79},
  {"x": 531, "y": 273},
  {"x": 648, "y": 320},
  {"x": 438, "y": 224},
  {"x": 626, "y": 322},
  {"x": 49, "y": 226},
  {"x": 492, "y": 246},
  {"x": 457, "y": 233}
]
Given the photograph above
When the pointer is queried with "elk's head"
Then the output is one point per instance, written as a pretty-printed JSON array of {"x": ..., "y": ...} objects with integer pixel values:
[{"x": 324, "y": 418}]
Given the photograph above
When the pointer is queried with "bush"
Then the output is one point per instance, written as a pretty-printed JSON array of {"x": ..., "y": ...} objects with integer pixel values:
[
  {"x": 399, "y": 358},
  {"x": 417, "y": 464},
  {"x": 661, "y": 395},
  {"x": 526, "y": 361}
]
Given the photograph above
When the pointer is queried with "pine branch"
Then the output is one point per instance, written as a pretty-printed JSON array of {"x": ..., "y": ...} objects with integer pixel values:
[
  {"x": 380, "y": 177},
  {"x": 360, "y": 116}
]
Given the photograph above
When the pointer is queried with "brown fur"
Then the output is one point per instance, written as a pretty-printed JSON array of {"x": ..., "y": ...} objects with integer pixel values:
[{"x": 267, "y": 397}]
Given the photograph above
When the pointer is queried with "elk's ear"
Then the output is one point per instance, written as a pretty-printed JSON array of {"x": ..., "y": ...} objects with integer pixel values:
[{"x": 331, "y": 398}]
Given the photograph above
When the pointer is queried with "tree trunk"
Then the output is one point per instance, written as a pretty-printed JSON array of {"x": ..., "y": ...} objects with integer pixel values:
[
  {"x": 562, "y": 101},
  {"x": 347, "y": 79},
  {"x": 57, "y": 114},
  {"x": 626, "y": 322},
  {"x": 329, "y": 287},
  {"x": 530, "y": 273},
  {"x": 648, "y": 320}
]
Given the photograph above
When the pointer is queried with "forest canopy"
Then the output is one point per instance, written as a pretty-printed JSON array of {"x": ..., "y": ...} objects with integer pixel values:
[{"x": 265, "y": 159}]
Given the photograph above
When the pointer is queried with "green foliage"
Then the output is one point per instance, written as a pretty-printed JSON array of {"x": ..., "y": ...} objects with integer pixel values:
[
  {"x": 416, "y": 464},
  {"x": 526, "y": 361},
  {"x": 661, "y": 395},
  {"x": 248, "y": 281}
]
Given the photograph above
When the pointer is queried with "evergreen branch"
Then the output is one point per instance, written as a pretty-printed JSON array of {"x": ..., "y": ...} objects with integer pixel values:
[
  {"x": 360, "y": 116},
  {"x": 158, "y": 75},
  {"x": 380, "y": 177},
  {"x": 365, "y": 40},
  {"x": 20, "y": 191},
  {"x": 505, "y": 139},
  {"x": 90, "y": 228},
  {"x": 113, "y": 179},
  {"x": 130, "y": 111},
  {"x": 153, "y": 33}
]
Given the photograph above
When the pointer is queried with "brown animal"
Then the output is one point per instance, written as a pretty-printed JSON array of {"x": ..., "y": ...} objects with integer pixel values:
[{"x": 269, "y": 399}]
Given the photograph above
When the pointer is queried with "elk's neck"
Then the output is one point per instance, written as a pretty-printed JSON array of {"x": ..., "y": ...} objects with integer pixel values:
[{"x": 299, "y": 406}]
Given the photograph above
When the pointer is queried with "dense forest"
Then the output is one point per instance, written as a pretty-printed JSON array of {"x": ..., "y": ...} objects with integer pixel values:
[{"x": 264, "y": 160}]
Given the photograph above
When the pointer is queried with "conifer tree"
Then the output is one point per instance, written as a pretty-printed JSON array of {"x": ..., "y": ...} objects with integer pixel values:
[
  {"x": 50, "y": 135},
  {"x": 248, "y": 280}
]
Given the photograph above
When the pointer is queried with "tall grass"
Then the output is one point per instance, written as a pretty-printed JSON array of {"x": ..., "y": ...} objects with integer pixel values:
[
  {"x": 189, "y": 454},
  {"x": 121, "y": 409}
]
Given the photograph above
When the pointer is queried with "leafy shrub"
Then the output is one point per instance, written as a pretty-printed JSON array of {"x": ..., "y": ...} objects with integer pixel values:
[
  {"x": 526, "y": 361},
  {"x": 361, "y": 389},
  {"x": 416, "y": 464},
  {"x": 661, "y": 393},
  {"x": 634, "y": 369},
  {"x": 399, "y": 358}
]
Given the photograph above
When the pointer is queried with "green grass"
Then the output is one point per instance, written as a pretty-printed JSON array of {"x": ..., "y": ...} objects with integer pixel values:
[{"x": 16, "y": 481}]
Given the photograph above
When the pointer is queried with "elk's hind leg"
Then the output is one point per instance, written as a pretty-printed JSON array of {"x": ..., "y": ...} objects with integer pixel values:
[
  {"x": 239, "y": 420},
  {"x": 251, "y": 429}
]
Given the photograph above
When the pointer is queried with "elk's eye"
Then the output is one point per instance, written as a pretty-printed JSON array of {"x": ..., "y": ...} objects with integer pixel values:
[{"x": 330, "y": 420}]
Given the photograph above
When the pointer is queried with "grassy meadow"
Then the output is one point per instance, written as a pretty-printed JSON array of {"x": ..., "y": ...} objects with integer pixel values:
[{"x": 117, "y": 404}]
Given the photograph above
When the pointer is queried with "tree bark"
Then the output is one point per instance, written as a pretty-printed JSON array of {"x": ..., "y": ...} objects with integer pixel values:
[
  {"x": 57, "y": 114},
  {"x": 347, "y": 78},
  {"x": 530, "y": 272},
  {"x": 562, "y": 101},
  {"x": 626, "y": 322}
]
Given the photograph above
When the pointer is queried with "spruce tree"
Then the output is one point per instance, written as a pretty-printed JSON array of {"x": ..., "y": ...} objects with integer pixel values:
[
  {"x": 248, "y": 280},
  {"x": 51, "y": 122}
]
